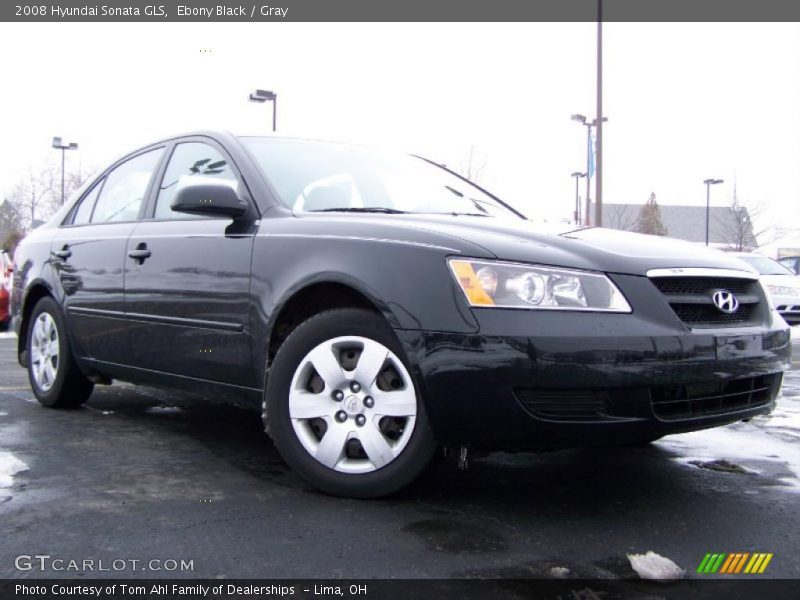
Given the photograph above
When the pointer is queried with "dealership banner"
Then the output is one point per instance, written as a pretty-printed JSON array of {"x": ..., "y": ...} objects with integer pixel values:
[
  {"x": 377, "y": 589},
  {"x": 405, "y": 10}
]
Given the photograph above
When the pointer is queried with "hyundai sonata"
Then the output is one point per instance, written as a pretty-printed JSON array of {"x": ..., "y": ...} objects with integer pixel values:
[{"x": 374, "y": 307}]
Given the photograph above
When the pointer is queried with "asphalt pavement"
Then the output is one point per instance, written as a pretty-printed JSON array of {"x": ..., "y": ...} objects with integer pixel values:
[{"x": 140, "y": 474}]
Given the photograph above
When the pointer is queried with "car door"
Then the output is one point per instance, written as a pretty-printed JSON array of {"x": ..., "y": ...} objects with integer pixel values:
[
  {"x": 88, "y": 254},
  {"x": 188, "y": 299}
]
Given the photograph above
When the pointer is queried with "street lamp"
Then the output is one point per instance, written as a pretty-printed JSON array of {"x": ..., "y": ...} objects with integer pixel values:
[
  {"x": 577, "y": 175},
  {"x": 58, "y": 145},
  {"x": 267, "y": 96},
  {"x": 709, "y": 183},
  {"x": 583, "y": 121}
]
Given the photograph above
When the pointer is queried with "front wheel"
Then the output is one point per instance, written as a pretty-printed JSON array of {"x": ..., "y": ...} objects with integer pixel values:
[{"x": 343, "y": 409}]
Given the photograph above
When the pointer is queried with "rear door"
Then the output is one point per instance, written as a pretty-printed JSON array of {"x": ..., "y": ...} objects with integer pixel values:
[
  {"x": 88, "y": 255},
  {"x": 189, "y": 300}
]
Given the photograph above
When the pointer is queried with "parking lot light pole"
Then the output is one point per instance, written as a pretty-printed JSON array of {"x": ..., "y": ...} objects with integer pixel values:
[
  {"x": 583, "y": 121},
  {"x": 577, "y": 175},
  {"x": 262, "y": 96},
  {"x": 709, "y": 183},
  {"x": 58, "y": 145}
]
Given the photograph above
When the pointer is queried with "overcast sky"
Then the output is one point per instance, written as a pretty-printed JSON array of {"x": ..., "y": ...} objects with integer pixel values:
[{"x": 684, "y": 101}]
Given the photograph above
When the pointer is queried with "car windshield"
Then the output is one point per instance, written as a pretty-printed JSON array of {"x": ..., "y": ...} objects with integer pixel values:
[
  {"x": 329, "y": 177},
  {"x": 766, "y": 266}
]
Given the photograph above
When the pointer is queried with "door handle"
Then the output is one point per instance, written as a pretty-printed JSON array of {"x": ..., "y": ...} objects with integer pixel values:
[
  {"x": 64, "y": 253},
  {"x": 140, "y": 254}
]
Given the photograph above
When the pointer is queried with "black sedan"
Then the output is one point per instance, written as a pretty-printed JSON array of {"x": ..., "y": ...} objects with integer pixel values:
[{"x": 375, "y": 306}]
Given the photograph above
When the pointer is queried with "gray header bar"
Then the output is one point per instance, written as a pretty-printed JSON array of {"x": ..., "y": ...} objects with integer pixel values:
[{"x": 397, "y": 10}]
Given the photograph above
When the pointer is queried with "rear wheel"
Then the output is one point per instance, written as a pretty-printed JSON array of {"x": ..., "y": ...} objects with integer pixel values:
[
  {"x": 55, "y": 378},
  {"x": 343, "y": 409}
]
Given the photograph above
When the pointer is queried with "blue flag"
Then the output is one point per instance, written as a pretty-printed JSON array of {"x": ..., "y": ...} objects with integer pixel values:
[{"x": 590, "y": 150}]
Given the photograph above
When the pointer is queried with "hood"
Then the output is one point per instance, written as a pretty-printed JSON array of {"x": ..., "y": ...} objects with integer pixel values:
[{"x": 596, "y": 249}]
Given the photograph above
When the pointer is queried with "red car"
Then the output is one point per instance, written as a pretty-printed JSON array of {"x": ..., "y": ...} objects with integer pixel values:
[{"x": 5, "y": 289}]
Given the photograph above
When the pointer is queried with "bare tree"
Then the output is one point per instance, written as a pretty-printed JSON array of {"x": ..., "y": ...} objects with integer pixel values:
[
  {"x": 11, "y": 218},
  {"x": 618, "y": 217},
  {"x": 37, "y": 195},
  {"x": 473, "y": 166},
  {"x": 738, "y": 229},
  {"x": 33, "y": 195},
  {"x": 74, "y": 179}
]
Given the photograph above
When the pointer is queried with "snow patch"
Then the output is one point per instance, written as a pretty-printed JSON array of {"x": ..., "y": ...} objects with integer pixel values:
[
  {"x": 768, "y": 439},
  {"x": 163, "y": 410},
  {"x": 654, "y": 566},
  {"x": 559, "y": 572},
  {"x": 723, "y": 466},
  {"x": 10, "y": 465}
]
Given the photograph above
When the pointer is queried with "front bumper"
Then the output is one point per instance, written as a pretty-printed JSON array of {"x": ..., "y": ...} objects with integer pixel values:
[{"x": 620, "y": 378}]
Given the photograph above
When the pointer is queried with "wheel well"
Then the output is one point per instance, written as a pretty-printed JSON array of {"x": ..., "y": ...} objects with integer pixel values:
[
  {"x": 36, "y": 293},
  {"x": 310, "y": 301}
]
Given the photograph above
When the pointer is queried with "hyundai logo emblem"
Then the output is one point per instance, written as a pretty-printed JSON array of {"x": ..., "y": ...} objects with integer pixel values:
[{"x": 725, "y": 301}]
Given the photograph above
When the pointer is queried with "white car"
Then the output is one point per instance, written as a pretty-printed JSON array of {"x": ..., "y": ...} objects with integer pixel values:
[{"x": 781, "y": 283}]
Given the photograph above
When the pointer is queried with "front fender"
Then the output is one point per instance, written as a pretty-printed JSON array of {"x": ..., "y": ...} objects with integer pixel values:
[{"x": 409, "y": 284}]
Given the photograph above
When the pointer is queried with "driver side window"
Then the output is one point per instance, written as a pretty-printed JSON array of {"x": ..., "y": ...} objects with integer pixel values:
[{"x": 190, "y": 162}]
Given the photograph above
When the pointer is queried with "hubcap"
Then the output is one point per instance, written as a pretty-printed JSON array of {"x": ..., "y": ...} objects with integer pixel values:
[
  {"x": 44, "y": 351},
  {"x": 353, "y": 434}
]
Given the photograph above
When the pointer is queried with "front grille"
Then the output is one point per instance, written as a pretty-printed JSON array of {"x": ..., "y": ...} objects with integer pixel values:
[
  {"x": 697, "y": 400},
  {"x": 564, "y": 405},
  {"x": 693, "y": 314},
  {"x": 700, "y": 285},
  {"x": 691, "y": 299}
]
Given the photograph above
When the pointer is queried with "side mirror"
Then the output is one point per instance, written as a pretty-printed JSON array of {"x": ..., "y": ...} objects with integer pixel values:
[{"x": 209, "y": 198}]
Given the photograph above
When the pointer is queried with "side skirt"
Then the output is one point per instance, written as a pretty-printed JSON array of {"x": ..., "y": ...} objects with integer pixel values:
[{"x": 235, "y": 394}]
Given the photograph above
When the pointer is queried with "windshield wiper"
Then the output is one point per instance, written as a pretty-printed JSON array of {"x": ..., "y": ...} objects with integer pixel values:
[{"x": 364, "y": 209}]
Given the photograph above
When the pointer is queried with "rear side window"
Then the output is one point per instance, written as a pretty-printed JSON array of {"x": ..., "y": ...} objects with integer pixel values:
[
  {"x": 190, "y": 162},
  {"x": 84, "y": 211},
  {"x": 123, "y": 192}
]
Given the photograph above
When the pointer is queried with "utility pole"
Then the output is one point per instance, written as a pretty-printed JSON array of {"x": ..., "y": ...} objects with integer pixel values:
[
  {"x": 577, "y": 216},
  {"x": 709, "y": 183},
  {"x": 262, "y": 96},
  {"x": 598, "y": 206},
  {"x": 58, "y": 145},
  {"x": 589, "y": 167}
]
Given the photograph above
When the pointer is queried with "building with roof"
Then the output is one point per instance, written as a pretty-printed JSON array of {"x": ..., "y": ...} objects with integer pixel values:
[{"x": 728, "y": 228}]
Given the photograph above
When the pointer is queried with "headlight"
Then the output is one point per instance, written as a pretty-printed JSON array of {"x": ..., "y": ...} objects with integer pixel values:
[
  {"x": 510, "y": 285},
  {"x": 782, "y": 290}
]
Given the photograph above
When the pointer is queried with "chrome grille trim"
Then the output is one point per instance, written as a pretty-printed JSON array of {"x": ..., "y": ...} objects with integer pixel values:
[{"x": 701, "y": 272}]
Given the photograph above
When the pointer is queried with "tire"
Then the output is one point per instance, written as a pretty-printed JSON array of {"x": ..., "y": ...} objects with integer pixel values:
[
  {"x": 389, "y": 451},
  {"x": 62, "y": 385}
]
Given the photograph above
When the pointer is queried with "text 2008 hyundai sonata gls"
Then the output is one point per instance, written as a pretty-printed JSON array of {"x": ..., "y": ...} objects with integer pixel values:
[{"x": 373, "y": 306}]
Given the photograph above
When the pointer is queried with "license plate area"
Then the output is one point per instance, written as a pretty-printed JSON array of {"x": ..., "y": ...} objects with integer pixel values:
[{"x": 739, "y": 346}]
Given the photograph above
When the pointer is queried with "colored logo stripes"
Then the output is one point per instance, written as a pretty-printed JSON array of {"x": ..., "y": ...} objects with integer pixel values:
[{"x": 736, "y": 562}]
